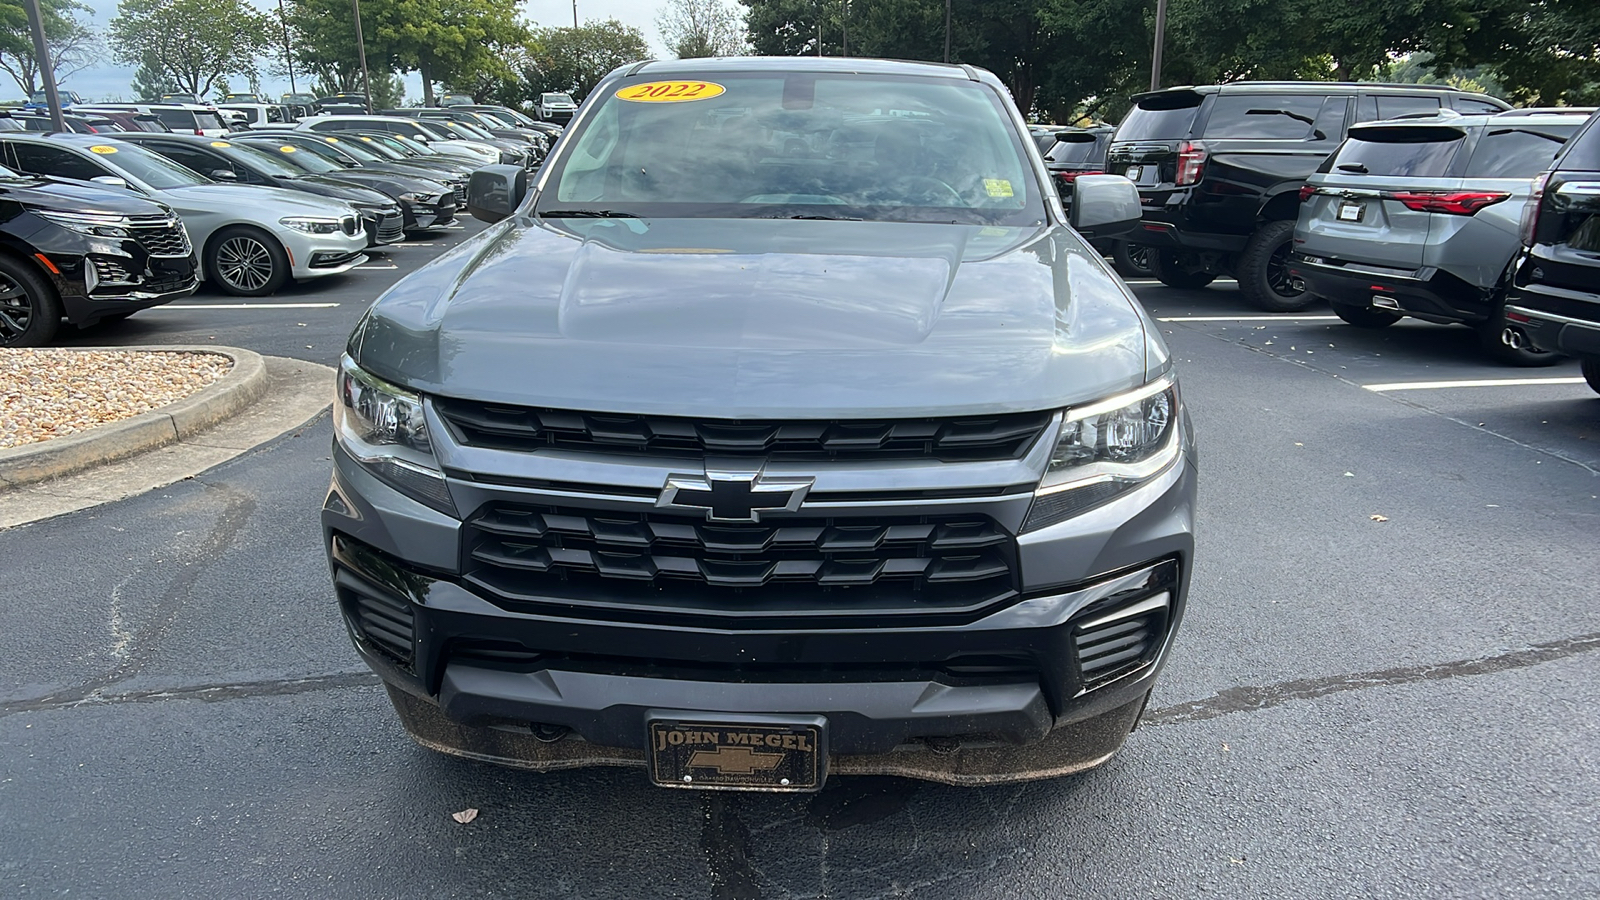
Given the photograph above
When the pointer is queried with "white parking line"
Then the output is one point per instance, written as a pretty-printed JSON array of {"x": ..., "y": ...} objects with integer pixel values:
[
  {"x": 245, "y": 306},
  {"x": 1155, "y": 281},
  {"x": 1483, "y": 382},
  {"x": 1280, "y": 318},
  {"x": 372, "y": 268}
]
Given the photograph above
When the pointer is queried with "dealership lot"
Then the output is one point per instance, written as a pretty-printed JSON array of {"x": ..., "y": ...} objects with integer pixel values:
[{"x": 1384, "y": 686}]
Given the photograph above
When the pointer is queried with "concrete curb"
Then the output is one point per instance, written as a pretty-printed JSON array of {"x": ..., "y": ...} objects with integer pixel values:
[{"x": 244, "y": 384}]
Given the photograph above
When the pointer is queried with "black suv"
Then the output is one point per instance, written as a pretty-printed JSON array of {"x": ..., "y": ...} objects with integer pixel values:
[
  {"x": 1219, "y": 170},
  {"x": 83, "y": 254},
  {"x": 1555, "y": 295}
]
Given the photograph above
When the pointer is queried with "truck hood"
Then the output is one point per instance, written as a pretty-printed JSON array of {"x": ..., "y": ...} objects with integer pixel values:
[{"x": 757, "y": 318}]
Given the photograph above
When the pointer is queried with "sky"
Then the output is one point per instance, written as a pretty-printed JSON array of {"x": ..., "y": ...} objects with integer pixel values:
[{"x": 109, "y": 81}]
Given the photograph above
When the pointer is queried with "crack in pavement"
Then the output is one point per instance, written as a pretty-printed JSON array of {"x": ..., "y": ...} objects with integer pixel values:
[
  {"x": 206, "y": 693},
  {"x": 1251, "y": 698}
]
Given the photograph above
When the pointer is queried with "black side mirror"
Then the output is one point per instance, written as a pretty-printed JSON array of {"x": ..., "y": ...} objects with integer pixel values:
[{"x": 495, "y": 192}]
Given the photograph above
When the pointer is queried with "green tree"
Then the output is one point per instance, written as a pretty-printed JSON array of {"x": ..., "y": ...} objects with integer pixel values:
[
  {"x": 189, "y": 44},
  {"x": 573, "y": 60},
  {"x": 73, "y": 45},
  {"x": 700, "y": 28}
]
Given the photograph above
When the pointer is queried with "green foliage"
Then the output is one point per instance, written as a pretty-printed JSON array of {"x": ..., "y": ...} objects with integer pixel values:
[
  {"x": 73, "y": 46},
  {"x": 573, "y": 60},
  {"x": 693, "y": 29},
  {"x": 189, "y": 44}
]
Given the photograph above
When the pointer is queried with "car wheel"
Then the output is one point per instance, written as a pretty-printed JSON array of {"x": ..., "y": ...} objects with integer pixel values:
[
  {"x": 1491, "y": 338},
  {"x": 1179, "y": 270},
  {"x": 30, "y": 311},
  {"x": 1591, "y": 373},
  {"x": 1131, "y": 260},
  {"x": 246, "y": 262},
  {"x": 1264, "y": 276},
  {"x": 1366, "y": 316}
]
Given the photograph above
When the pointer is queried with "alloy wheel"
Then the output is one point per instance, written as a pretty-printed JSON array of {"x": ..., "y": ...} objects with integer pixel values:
[
  {"x": 244, "y": 263},
  {"x": 16, "y": 310},
  {"x": 1279, "y": 278}
]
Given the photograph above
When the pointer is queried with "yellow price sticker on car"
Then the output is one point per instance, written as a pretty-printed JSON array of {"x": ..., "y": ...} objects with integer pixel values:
[
  {"x": 102, "y": 149},
  {"x": 221, "y": 144},
  {"x": 286, "y": 149},
  {"x": 671, "y": 91},
  {"x": 332, "y": 140},
  {"x": 997, "y": 187}
]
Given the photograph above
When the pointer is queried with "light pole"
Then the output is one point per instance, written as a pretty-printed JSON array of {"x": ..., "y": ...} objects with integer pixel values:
[
  {"x": 574, "y": 13},
  {"x": 946, "y": 30},
  {"x": 1161, "y": 39},
  {"x": 46, "y": 73},
  {"x": 361, "y": 51},
  {"x": 845, "y": 25},
  {"x": 287, "y": 59}
]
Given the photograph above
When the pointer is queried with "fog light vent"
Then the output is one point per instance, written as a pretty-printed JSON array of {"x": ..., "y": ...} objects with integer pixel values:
[
  {"x": 384, "y": 621},
  {"x": 1110, "y": 643}
]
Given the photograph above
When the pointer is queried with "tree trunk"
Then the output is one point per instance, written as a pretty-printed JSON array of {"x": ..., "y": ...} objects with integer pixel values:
[{"x": 426, "y": 71}]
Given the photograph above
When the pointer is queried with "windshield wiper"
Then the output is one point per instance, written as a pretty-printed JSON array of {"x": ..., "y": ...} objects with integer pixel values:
[
  {"x": 813, "y": 217},
  {"x": 585, "y": 214}
]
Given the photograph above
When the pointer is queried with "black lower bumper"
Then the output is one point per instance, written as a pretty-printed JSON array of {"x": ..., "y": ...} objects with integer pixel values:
[
  {"x": 1427, "y": 294},
  {"x": 1564, "y": 322},
  {"x": 469, "y": 676}
]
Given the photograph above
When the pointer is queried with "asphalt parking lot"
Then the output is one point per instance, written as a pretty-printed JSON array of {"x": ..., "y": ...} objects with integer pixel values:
[{"x": 1385, "y": 685}]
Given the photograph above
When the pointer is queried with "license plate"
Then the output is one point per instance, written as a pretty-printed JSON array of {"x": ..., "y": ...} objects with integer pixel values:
[
  {"x": 1134, "y": 173},
  {"x": 768, "y": 755},
  {"x": 1350, "y": 212}
]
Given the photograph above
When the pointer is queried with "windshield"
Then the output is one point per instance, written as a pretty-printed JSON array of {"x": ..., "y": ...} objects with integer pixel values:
[
  {"x": 1076, "y": 152},
  {"x": 351, "y": 145},
  {"x": 472, "y": 131},
  {"x": 512, "y": 116},
  {"x": 1165, "y": 116},
  {"x": 416, "y": 147},
  {"x": 269, "y": 163},
  {"x": 557, "y": 98},
  {"x": 799, "y": 145},
  {"x": 152, "y": 169},
  {"x": 294, "y": 156},
  {"x": 374, "y": 145}
]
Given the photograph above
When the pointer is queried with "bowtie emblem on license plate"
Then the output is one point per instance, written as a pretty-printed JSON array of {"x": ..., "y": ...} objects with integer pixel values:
[{"x": 766, "y": 756}]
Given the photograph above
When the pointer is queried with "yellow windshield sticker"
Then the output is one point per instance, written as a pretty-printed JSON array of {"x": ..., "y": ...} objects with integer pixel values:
[
  {"x": 102, "y": 149},
  {"x": 367, "y": 139},
  {"x": 332, "y": 140},
  {"x": 286, "y": 149},
  {"x": 670, "y": 91},
  {"x": 997, "y": 187},
  {"x": 221, "y": 144}
]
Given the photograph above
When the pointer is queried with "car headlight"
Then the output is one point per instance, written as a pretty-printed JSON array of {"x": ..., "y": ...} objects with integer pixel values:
[
  {"x": 383, "y": 428},
  {"x": 311, "y": 224},
  {"x": 98, "y": 224},
  {"x": 1106, "y": 449},
  {"x": 420, "y": 197}
]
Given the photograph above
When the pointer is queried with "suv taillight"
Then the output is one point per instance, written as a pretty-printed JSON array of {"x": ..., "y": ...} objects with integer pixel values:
[
  {"x": 1306, "y": 190},
  {"x": 1455, "y": 203},
  {"x": 1530, "y": 210},
  {"x": 1191, "y": 164},
  {"x": 1070, "y": 177}
]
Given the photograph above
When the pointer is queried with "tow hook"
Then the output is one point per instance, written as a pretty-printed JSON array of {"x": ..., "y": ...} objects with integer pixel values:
[{"x": 1513, "y": 338}]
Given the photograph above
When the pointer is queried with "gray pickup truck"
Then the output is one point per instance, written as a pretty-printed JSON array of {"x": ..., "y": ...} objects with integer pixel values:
[{"x": 783, "y": 425}]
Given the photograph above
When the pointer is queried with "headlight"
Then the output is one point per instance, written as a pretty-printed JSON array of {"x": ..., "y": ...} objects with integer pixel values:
[
  {"x": 383, "y": 428},
  {"x": 420, "y": 197},
  {"x": 311, "y": 224},
  {"x": 98, "y": 224},
  {"x": 1106, "y": 449}
]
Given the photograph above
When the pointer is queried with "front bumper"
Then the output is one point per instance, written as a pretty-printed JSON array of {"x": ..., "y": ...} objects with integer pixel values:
[
  {"x": 315, "y": 255},
  {"x": 1001, "y": 694},
  {"x": 438, "y": 214},
  {"x": 1427, "y": 293},
  {"x": 97, "y": 277}
]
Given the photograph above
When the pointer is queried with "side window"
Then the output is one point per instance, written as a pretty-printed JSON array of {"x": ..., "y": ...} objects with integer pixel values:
[
  {"x": 1470, "y": 106},
  {"x": 1286, "y": 117},
  {"x": 41, "y": 160},
  {"x": 324, "y": 126},
  {"x": 176, "y": 119},
  {"x": 1517, "y": 152},
  {"x": 1331, "y": 121},
  {"x": 1391, "y": 106},
  {"x": 188, "y": 156}
]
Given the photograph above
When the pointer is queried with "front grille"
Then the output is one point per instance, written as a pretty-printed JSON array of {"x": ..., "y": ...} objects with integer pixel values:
[
  {"x": 650, "y": 560},
  {"x": 391, "y": 227},
  {"x": 161, "y": 236},
  {"x": 526, "y": 429}
]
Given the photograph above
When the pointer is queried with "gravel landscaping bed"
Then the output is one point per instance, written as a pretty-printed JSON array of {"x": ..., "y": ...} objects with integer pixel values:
[{"x": 51, "y": 393}]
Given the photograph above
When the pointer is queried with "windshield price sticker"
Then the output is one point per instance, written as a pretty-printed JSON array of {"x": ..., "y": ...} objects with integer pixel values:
[
  {"x": 102, "y": 149},
  {"x": 997, "y": 187},
  {"x": 221, "y": 144},
  {"x": 286, "y": 149},
  {"x": 670, "y": 91}
]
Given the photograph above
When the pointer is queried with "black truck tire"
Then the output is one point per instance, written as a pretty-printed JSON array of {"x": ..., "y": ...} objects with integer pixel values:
[{"x": 1264, "y": 277}]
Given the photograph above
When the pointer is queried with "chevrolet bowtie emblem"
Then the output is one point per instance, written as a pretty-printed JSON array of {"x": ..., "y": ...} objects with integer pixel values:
[
  {"x": 735, "y": 760},
  {"x": 726, "y": 496}
]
